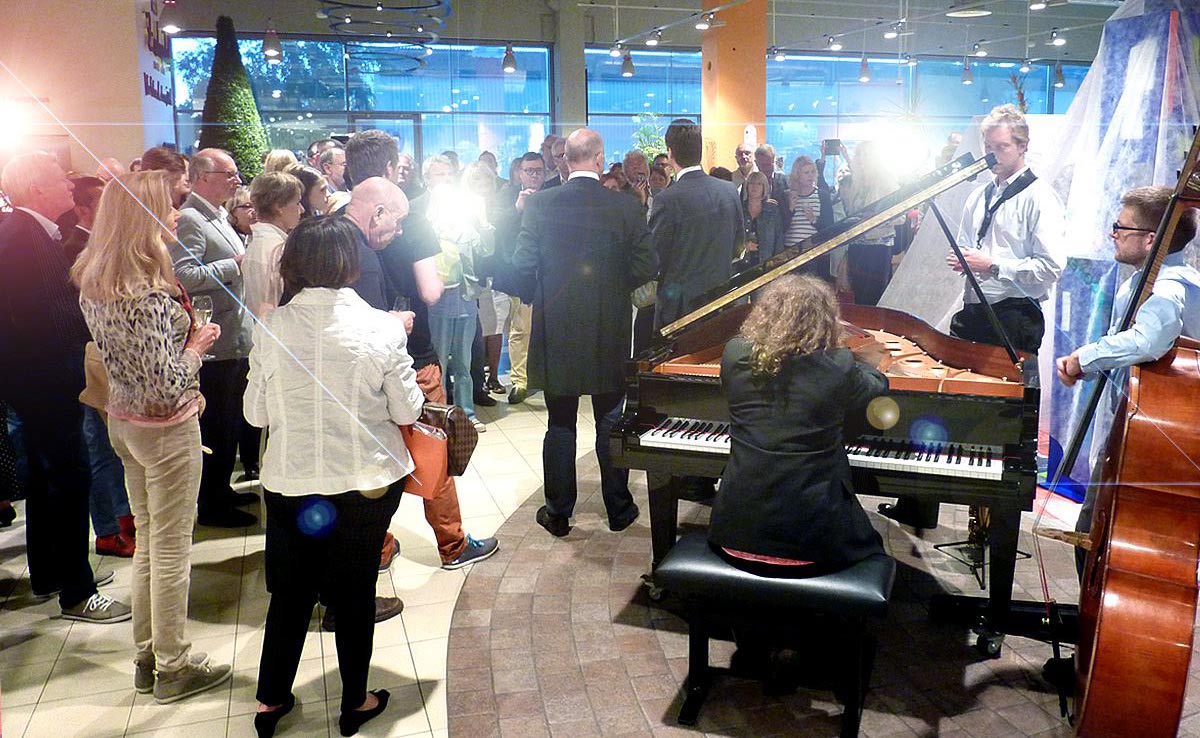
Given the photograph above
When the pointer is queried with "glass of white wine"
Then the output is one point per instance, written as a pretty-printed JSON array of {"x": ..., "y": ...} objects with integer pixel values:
[{"x": 202, "y": 310}]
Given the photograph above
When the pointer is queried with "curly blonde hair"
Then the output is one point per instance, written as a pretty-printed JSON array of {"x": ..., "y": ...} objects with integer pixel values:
[{"x": 794, "y": 315}]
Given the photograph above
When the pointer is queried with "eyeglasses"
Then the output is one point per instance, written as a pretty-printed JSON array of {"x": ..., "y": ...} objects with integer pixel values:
[
  {"x": 534, "y": 172},
  {"x": 1118, "y": 227},
  {"x": 246, "y": 206},
  {"x": 229, "y": 174},
  {"x": 561, "y": 156}
]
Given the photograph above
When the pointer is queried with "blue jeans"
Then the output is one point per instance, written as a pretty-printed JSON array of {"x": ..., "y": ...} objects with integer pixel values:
[
  {"x": 107, "y": 499},
  {"x": 558, "y": 456},
  {"x": 452, "y": 329}
]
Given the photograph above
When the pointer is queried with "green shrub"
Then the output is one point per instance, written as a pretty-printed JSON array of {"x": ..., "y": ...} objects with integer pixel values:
[{"x": 230, "y": 120}]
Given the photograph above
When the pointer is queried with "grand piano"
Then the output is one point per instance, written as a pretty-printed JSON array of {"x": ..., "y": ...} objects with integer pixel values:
[{"x": 959, "y": 423}]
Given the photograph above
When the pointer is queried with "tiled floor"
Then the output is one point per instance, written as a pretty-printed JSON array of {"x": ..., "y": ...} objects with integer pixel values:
[{"x": 60, "y": 679}]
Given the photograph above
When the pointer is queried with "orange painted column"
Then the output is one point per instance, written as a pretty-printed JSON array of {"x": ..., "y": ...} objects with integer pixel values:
[{"x": 734, "y": 79}]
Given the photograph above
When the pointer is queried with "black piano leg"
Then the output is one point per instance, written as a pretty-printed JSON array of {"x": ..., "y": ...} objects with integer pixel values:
[
  {"x": 664, "y": 514},
  {"x": 1003, "y": 531}
]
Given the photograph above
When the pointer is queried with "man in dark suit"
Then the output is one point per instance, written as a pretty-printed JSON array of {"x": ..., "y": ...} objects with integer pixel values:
[
  {"x": 42, "y": 335},
  {"x": 86, "y": 196},
  {"x": 764, "y": 159},
  {"x": 208, "y": 258},
  {"x": 585, "y": 248},
  {"x": 697, "y": 227}
]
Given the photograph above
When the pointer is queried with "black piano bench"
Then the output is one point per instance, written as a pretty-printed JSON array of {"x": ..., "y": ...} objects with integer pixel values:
[{"x": 717, "y": 594}]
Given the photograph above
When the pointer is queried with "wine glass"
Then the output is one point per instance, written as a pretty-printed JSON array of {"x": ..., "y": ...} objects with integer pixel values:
[{"x": 202, "y": 310}]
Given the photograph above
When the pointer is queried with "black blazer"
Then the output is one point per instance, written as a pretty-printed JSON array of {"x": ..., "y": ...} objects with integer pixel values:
[
  {"x": 42, "y": 331},
  {"x": 787, "y": 491},
  {"x": 697, "y": 227},
  {"x": 585, "y": 248}
]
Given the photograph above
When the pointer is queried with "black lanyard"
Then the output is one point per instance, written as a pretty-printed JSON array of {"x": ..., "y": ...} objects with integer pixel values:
[{"x": 1013, "y": 189}]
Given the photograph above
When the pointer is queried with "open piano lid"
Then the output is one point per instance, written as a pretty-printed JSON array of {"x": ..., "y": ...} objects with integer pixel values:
[{"x": 731, "y": 293}]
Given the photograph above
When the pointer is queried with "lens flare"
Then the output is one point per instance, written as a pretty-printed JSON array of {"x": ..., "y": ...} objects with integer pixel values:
[
  {"x": 317, "y": 518},
  {"x": 928, "y": 429},
  {"x": 883, "y": 413}
]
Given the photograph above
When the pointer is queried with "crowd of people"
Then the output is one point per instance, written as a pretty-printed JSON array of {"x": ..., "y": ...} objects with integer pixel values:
[{"x": 310, "y": 313}]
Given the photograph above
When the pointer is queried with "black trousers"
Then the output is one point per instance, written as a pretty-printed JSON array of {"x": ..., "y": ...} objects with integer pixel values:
[
  {"x": 558, "y": 455},
  {"x": 870, "y": 270},
  {"x": 222, "y": 383},
  {"x": 1020, "y": 317},
  {"x": 249, "y": 439},
  {"x": 56, "y": 530},
  {"x": 478, "y": 359},
  {"x": 322, "y": 548}
]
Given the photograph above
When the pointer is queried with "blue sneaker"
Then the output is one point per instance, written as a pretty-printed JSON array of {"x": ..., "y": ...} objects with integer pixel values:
[{"x": 475, "y": 550}]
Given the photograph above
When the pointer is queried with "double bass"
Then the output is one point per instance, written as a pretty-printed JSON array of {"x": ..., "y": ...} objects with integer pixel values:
[{"x": 1138, "y": 598}]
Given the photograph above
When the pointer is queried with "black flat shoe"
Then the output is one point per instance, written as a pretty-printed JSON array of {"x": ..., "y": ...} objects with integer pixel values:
[
  {"x": 350, "y": 722},
  {"x": 265, "y": 722},
  {"x": 555, "y": 525},
  {"x": 8, "y": 514},
  {"x": 483, "y": 399}
]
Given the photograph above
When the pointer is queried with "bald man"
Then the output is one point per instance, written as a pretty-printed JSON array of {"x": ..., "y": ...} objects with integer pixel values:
[
  {"x": 584, "y": 248},
  {"x": 376, "y": 208},
  {"x": 109, "y": 168}
]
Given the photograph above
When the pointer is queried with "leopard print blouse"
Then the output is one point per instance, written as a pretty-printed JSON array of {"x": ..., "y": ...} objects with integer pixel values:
[{"x": 141, "y": 340}]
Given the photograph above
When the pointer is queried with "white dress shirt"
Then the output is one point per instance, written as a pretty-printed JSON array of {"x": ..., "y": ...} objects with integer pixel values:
[
  {"x": 1026, "y": 234},
  {"x": 331, "y": 378}
]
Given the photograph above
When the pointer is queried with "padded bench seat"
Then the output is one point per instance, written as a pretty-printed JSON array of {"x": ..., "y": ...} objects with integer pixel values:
[{"x": 718, "y": 594}]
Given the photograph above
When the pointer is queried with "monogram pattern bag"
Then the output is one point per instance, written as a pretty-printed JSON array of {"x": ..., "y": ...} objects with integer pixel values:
[{"x": 461, "y": 436}]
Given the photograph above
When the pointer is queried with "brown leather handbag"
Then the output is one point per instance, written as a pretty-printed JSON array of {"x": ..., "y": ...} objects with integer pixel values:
[{"x": 461, "y": 436}]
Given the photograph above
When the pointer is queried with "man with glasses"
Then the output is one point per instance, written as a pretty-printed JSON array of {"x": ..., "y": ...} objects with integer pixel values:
[
  {"x": 333, "y": 168},
  {"x": 531, "y": 176},
  {"x": 1172, "y": 310},
  {"x": 208, "y": 258}
]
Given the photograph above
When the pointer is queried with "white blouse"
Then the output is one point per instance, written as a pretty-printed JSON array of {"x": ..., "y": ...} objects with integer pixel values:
[
  {"x": 260, "y": 268},
  {"x": 331, "y": 379}
]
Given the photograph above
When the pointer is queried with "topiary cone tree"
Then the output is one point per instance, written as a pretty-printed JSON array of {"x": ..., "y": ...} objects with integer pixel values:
[{"x": 230, "y": 120}]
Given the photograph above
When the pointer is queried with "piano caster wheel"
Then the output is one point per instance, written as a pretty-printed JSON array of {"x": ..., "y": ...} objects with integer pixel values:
[
  {"x": 990, "y": 644},
  {"x": 654, "y": 591}
]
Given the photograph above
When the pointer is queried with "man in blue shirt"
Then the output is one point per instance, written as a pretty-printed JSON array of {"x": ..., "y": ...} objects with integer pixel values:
[{"x": 1172, "y": 310}]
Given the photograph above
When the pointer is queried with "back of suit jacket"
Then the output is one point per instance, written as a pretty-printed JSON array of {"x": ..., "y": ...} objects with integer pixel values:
[
  {"x": 585, "y": 248},
  {"x": 42, "y": 331},
  {"x": 204, "y": 265},
  {"x": 697, "y": 227}
]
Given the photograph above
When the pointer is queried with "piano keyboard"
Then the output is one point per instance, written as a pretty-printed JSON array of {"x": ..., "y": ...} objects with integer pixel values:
[{"x": 969, "y": 461}]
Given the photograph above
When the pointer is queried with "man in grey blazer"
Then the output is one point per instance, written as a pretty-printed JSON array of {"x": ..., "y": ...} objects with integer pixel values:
[
  {"x": 208, "y": 258},
  {"x": 697, "y": 227}
]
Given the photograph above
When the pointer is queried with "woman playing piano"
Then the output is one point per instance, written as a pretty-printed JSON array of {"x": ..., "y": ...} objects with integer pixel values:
[{"x": 786, "y": 505}]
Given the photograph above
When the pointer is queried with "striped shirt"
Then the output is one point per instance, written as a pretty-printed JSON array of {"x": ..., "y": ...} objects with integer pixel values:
[{"x": 802, "y": 226}]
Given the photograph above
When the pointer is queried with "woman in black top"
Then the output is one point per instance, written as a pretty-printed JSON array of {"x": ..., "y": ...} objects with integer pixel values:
[{"x": 786, "y": 498}]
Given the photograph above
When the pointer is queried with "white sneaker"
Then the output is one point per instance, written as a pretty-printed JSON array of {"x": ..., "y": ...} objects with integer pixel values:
[
  {"x": 479, "y": 426},
  {"x": 198, "y": 675}
]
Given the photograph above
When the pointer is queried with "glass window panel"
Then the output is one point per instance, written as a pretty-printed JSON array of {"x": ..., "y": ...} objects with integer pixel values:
[
  {"x": 666, "y": 83},
  {"x": 941, "y": 91},
  {"x": 310, "y": 77},
  {"x": 404, "y": 129},
  {"x": 455, "y": 77},
  {"x": 819, "y": 85},
  {"x": 618, "y": 131},
  {"x": 1073, "y": 75},
  {"x": 293, "y": 129},
  {"x": 468, "y": 134}
]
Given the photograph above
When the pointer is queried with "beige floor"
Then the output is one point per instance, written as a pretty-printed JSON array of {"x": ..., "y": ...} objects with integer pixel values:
[{"x": 61, "y": 680}]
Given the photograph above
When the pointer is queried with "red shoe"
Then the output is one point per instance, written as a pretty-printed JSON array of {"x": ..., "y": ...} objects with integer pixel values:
[
  {"x": 391, "y": 549},
  {"x": 115, "y": 545},
  {"x": 127, "y": 529}
]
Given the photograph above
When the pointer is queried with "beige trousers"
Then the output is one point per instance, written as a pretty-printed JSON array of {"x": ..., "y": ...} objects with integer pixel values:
[
  {"x": 518, "y": 343},
  {"x": 162, "y": 476}
]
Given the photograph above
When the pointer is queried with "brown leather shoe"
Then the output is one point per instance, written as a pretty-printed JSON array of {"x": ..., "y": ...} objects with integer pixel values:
[
  {"x": 115, "y": 545},
  {"x": 391, "y": 549},
  {"x": 386, "y": 608}
]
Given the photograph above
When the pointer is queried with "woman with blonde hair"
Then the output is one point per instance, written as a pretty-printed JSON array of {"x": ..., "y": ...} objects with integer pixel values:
[
  {"x": 151, "y": 346},
  {"x": 763, "y": 218},
  {"x": 786, "y": 503},
  {"x": 276, "y": 197},
  {"x": 278, "y": 160},
  {"x": 242, "y": 215}
]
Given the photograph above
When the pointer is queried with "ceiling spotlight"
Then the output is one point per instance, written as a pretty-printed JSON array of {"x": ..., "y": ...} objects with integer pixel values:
[
  {"x": 779, "y": 55},
  {"x": 168, "y": 18},
  {"x": 910, "y": 60},
  {"x": 864, "y": 71},
  {"x": 627, "y": 66},
  {"x": 705, "y": 22},
  {"x": 1059, "y": 80},
  {"x": 428, "y": 51},
  {"x": 1026, "y": 67},
  {"x": 979, "y": 51},
  {"x": 968, "y": 9},
  {"x": 271, "y": 47},
  {"x": 833, "y": 43},
  {"x": 894, "y": 30},
  {"x": 420, "y": 28},
  {"x": 968, "y": 77},
  {"x": 1037, "y": 4},
  {"x": 1056, "y": 38},
  {"x": 654, "y": 38},
  {"x": 379, "y": 7},
  {"x": 509, "y": 65},
  {"x": 615, "y": 51},
  {"x": 347, "y": 20}
]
